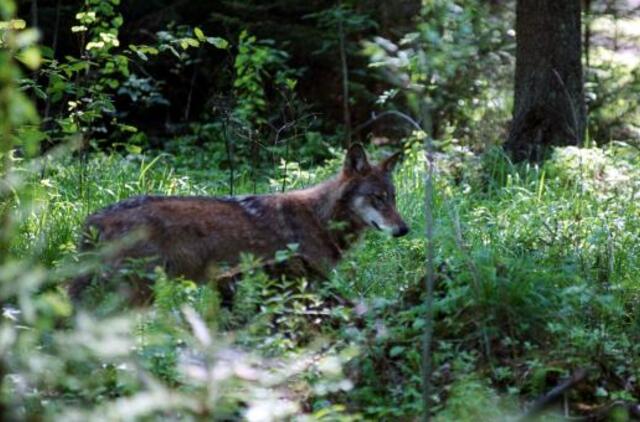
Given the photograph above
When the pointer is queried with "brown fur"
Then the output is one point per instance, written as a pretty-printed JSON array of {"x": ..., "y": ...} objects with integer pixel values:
[{"x": 201, "y": 238}]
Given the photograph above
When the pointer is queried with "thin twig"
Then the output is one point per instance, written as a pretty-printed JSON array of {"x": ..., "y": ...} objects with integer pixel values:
[
  {"x": 229, "y": 147},
  {"x": 286, "y": 153},
  {"x": 345, "y": 75},
  {"x": 427, "y": 386},
  {"x": 192, "y": 85},
  {"x": 427, "y": 338},
  {"x": 54, "y": 48},
  {"x": 376, "y": 117},
  {"x": 430, "y": 258}
]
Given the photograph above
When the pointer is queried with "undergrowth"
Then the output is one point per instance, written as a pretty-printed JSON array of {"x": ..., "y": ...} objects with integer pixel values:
[{"x": 537, "y": 277}]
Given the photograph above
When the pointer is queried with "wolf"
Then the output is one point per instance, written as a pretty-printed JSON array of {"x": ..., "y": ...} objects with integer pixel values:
[{"x": 203, "y": 238}]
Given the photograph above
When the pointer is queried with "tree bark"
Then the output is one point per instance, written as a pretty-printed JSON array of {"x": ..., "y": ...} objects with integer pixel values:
[{"x": 549, "y": 106}]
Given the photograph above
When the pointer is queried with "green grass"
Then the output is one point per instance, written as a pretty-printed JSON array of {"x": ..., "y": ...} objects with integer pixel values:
[{"x": 537, "y": 275}]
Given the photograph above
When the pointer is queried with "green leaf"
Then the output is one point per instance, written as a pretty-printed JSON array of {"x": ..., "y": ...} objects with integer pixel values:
[
  {"x": 133, "y": 149},
  {"x": 30, "y": 57},
  {"x": 86, "y": 17},
  {"x": 39, "y": 93},
  {"x": 128, "y": 128},
  {"x": 218, "y": 42},
  {"x": 141, "y": 55},
  {"x": 419, "y": 323},
  {"x": 199, "y": 34},
  {"x": 396, "y": 350},
  {"x": 13, "y": 24},
  {"x": 21, "y": 110},
  {"x": 30, "y": 137},
  {"x": 282, "y": 256},
  {"x": 7, "y": 8}
]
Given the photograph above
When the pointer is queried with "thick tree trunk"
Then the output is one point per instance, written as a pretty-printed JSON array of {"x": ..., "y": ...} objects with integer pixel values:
[{"x": 549, "y": 106}]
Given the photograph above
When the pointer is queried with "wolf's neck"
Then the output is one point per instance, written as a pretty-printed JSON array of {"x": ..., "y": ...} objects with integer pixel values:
[
  {"x": 326, "y": 202},
  {"x": 323, "y": 200}
]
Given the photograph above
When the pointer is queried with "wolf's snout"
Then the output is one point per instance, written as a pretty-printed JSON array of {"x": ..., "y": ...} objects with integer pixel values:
[{"x": 401, "y": 231}]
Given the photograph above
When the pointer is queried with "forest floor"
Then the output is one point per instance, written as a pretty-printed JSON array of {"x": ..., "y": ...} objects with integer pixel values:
[{"x": 537, "y": 279}]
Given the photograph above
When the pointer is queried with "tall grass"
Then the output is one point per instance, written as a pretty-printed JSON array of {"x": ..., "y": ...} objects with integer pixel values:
[{"x": 536, "y": 265}]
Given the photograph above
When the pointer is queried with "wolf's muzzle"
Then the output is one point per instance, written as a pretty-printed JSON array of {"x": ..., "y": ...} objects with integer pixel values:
[{"x": 401, "y": 231}]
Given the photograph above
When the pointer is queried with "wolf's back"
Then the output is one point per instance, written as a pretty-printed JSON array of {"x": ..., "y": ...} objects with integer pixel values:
[
  {"x": 99, "y": 227},
  {"x": 184, "y": 233}
]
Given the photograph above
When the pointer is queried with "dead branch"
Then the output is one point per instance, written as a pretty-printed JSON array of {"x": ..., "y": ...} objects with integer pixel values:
[{"x": 554, "y": 394}]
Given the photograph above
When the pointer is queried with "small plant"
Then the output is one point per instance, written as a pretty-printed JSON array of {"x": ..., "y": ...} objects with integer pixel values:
[
  {"x": 256, "y": 64},
  {"x": 83, "y": 88}
]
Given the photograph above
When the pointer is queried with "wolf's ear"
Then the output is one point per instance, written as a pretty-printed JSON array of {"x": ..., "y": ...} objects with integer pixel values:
[
  {"x": 356, "y": 161},
  {"x": 389, "y": 163}
]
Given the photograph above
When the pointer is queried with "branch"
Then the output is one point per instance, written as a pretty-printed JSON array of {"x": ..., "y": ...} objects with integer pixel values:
[
  {"x": 543, "y": 402},
  {"x": 376, "y": 117}
]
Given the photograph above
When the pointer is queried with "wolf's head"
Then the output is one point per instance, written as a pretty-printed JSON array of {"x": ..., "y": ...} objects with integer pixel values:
[{"x": 369, "y": 193}]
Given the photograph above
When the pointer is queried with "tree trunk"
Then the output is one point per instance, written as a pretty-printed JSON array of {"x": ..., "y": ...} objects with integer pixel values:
[{"x": 549, "y": 106}]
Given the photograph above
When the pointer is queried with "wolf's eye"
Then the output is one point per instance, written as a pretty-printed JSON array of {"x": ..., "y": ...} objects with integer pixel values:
[{"x": 377, "y": 199}]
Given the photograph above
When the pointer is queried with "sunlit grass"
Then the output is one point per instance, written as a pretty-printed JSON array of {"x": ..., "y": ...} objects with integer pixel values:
[{"x": 520, "y": 250}]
